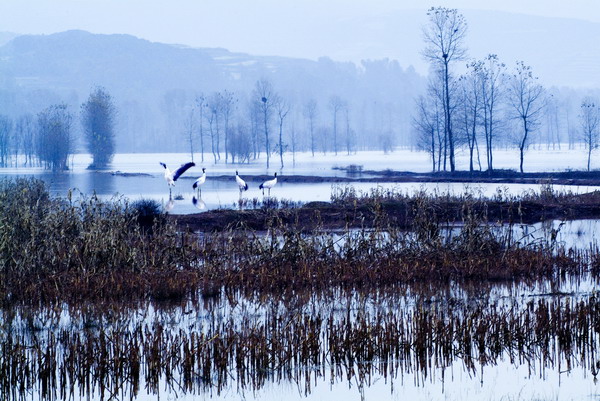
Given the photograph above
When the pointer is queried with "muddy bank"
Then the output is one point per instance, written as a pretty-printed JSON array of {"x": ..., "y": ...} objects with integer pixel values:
[
  {"x": 397, "y": 212},
  {"x": 347, "y": 175}
]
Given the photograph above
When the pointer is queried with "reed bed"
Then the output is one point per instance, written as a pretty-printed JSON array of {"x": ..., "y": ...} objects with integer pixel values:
[
  {"x": 111, "y": 300},
  {"x": 302, "y": 346},
  {"x": 54, "y": 250}
]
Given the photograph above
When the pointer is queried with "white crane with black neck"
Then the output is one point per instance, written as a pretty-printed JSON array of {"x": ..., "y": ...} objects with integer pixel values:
[
  {"x": 268, "y": 184},
  {"x": 172, "y": 176},
  {"x": 199, "y": 182},
  {"x": 241, "y": 183}
]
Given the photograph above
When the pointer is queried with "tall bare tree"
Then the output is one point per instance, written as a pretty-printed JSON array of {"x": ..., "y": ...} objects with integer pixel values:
[
  {"x": 589, "y": 118},
  {"x": 282, "y": 108},
  {"x": 25, "y": 130},
  {"x": 349, "y": 131},
  {"x": 526, "y": 96},
  {"x": 6, "y": 128},
  {"x": 428, "y": 123},
  {"x": 255, "y": 117},
  {"x": 444, "y": 36},
  {"x": 310, "y": 113},
  {"x": 493, "y": 85},
  {"x": 294, "y": 142},
  {"x": 213, "y": 104},
  {"x": 336, "y": 105},
  {"x": 227, "y": 103},
  {"x": 189, "y": 130},
  {"x": 201, "y": 106},
  {"x": 263, "y": 91},
  {"x": 471, "y": 107}
]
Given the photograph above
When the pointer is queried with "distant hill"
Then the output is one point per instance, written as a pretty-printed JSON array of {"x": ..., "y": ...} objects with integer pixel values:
[
  {"x": 154, "y": 83},
  {"x": 6, "y": 37}
]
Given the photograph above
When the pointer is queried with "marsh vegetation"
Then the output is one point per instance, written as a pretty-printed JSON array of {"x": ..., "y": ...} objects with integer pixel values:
[{"x": 108, "y": 299}]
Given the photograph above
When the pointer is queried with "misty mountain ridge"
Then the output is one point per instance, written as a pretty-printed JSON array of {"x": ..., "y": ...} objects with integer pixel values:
[
  {"x": 151, "y": 82},
  {"x": 79, "y": 59}
]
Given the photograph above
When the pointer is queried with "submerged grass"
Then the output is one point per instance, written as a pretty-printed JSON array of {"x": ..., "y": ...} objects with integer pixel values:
[
  {"x": 302, "y": 346},
  {"x": 64, "y": 250}
]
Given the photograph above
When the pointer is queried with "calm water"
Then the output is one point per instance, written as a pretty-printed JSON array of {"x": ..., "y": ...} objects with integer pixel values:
[{"x": 224, "y": 194}]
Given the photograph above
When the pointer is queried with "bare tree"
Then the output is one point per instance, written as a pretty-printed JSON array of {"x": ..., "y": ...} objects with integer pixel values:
[
  {"x": 552, "y": 121},
  {"x": 201, "y": 105},
  {"x": 294, "y": 142},
  {"x": 213, "y": 104},
  {"x": 444, "y": 36},
  {"x": 16, "y": 142},
  {"x": 263, "y": 91},
  {"x": 526, "y": 96},
  {"x": 349, "y": 131},
  {"x": 282, "y": 108},
  {"x": 428, "y": 123},
  {"x": 241, "y": 144},
  {"x": 5, "y": 135},
  {"x": 310, "y": 113},
  {"x": 227, "y": 104},
  {"x": 255, "y": 117},
  {"x": 25, "y": 130},
  {"x": 189, "y": 127},
  {"x": 336, "y": 104},
  {"x": 493, "y": 79},
  {"x": 589, "y": 118},
  {"x": 471, "y": 107}
]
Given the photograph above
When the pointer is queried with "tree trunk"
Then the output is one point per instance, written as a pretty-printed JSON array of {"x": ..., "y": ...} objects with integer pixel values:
[
  {"x": 266, "y": 136},
  {"x": 523, "y": 143},
  {"x": 448, "y": 115},
  {"x": 281, "y": 141}
]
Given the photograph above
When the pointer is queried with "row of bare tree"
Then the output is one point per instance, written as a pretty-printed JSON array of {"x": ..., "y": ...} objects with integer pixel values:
[
  {"x": 482, "y": 104},
  {"x": 218, "y": 125}
]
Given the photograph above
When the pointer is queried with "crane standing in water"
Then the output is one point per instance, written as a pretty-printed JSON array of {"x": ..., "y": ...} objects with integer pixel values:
[
  {"x": 268, "y": 184},
  {"x": 172, "y": 176}
]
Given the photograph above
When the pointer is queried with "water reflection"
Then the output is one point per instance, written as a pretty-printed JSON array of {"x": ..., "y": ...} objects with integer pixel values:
[
  {"x": 415, "y": 342},
  {"x": 218, "y": 194},
  {"x": 100, "y": 183},
  {"x": 198, "y": 203}
]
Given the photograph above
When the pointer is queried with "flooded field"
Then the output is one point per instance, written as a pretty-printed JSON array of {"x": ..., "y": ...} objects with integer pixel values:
[
  {"x": 137, "y": 176},
  {"x": 501, "y": 341},
  {"x": 95, "y": 305}
]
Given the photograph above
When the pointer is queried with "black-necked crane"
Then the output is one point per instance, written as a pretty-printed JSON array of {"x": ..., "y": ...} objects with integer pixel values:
[
  {"x": 201, "y": 180},
  {"x": 241, "y": 183},
  {"x": 268, "y": 184},
  {"x": 171, "y": 177}
]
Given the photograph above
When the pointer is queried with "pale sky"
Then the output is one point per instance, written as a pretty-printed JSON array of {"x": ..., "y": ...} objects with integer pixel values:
[
  {"x": 236, "y": 22},
  {"x": 292, "y": 28}
]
